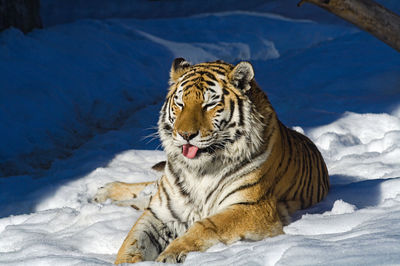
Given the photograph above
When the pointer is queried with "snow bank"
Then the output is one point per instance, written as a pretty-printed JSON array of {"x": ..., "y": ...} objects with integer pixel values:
[
  {"x": 60, "y": 88},
  {"x": 356, "y": 224},
  {"x": 365, "y": 146},
  {"x": 60, "y": 85}
]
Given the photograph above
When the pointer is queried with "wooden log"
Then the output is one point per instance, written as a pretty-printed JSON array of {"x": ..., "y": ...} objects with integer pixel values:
[
  {"x": 21, "y": 14},
  {"x": 367, "y": 15}
]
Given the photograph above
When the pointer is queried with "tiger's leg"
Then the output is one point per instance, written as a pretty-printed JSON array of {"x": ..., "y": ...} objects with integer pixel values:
[
  {"x": 125, "y": 194},
  {"x": 146, "y": 240},
  {"x": 237, "y": 222},
  {"x": 286, "y": 209}
]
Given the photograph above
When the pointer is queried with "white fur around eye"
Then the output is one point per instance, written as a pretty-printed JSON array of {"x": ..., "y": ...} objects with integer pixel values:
[
  {"x": 180, "y": 105},
  {"x": 178, "y": 99},
  {"x": 211, "y": 100},
  {"x": 209, "y": 106}
]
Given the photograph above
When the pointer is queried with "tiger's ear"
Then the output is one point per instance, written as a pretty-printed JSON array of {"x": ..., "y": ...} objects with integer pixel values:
[
  {"x": 241, "y": 76},
  {"x": 177, "y": 69}
]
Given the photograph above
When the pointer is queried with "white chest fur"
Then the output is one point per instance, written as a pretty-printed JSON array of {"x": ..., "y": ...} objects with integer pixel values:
[{"x": 185, "y": 197}]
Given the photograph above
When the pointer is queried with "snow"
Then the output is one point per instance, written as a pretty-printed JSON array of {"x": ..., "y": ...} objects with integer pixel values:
[
  {"x": 359, "y": 145},
  {"x": 79, "y": 103}
]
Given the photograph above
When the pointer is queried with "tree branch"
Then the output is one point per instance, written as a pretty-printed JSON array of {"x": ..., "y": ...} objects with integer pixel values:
[{"x": 367, "y": 15}]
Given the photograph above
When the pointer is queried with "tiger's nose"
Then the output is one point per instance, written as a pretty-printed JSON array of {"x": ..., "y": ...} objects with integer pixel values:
[{"x": 188, "y": 135}]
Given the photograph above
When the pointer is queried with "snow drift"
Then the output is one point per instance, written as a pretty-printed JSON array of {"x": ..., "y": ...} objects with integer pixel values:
[
  {"x": 356, "y": 224},
  {"x": 63, "y": 85}
]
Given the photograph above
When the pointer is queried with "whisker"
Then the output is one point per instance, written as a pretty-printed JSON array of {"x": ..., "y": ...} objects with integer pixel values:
[
  {"x": 151, "y": 137},
  {"x": 159, "y": 146}
]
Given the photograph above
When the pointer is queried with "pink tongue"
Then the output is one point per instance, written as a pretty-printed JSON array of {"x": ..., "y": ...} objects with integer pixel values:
[{"x": 189, "y": 151}]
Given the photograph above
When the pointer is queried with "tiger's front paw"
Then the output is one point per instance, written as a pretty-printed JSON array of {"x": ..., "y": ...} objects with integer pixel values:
[
  {"x": 174, "y": 253},
  {"x": 129, "y": 259},
  {"x": 116, "y": 191},
  {"x": 171, "y": 257},
  {"x": 103, "y": 193}
]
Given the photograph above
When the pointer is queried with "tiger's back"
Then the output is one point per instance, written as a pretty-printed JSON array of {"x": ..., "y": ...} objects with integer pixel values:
[
  {"x": 301, "y": 176},
  {"x": 306, "y": 182}
]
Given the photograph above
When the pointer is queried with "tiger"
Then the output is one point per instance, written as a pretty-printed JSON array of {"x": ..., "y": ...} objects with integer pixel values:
[{"x": 233, "y": 171}]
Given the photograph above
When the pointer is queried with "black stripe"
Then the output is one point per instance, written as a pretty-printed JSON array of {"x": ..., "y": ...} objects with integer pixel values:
[
  {"x": 158, "y": 232},
  {"x": 305, "y": 175},
  {"x": 235, "y": 169},
  {"x": 322, "y": 179},
  {"x": 263, "y": 197},
  {"x": 177, "y": 180},
  {"x": 240, "y": 105},
  {"x": 216, "y": 66},
  {"x": 210, "y": 83},
  {"x": 189, "y": 75},
  {"x": 300, "y": 175},
  {"x": 209, "y": 104},
  {"x": 238, "y": 135},
  {"x": 242, "y": 164},
  {"x": 153, "y": 213},
  {"x": 284, "y": 144},
  {"x": 163, "y": 111},
  {"x": 242, "y": 188},
  {"x": 314, "y": 174},
  {"x": 185, "y": 82},
  {"x": 223, "y": 73},
  {"x": 199, "y": 90},
  {"x": 213, "y": 91},
  {"x": 305, "y": 178},
  {"x": 210, "y": 75},
  {"x": 319, "y": 178},
  {"x": 167, "y": 127},
  {"x": 299, "y": 166},
  {"x": 173, "y": 213},
  {"x": 290, "y": 152},
  {"x": 232, "y": 110},
  {"x": 310, "y": 166},
  {"x": 292, "y": 155},
  {"x": 319, "y": 196},
  {"x": 247, "y": 203},
  {"x": 211, "y": 222},
  {"x": 154, "y": 241},
  {"x": 231, "y": 125},
  {"x": 206, "y": 72},
  {"x": 268, "y": 137},
  {"x": 169, "y": 110},
  {"x": 209, "y": 194},
  {"x": 214, "y": 230}
]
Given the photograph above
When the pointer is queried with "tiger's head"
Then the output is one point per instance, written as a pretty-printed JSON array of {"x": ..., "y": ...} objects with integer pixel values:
[{"x": 208, "y": 116}]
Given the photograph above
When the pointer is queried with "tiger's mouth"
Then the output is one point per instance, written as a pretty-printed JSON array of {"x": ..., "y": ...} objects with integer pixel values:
[{"x": 191, "y": 151}]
